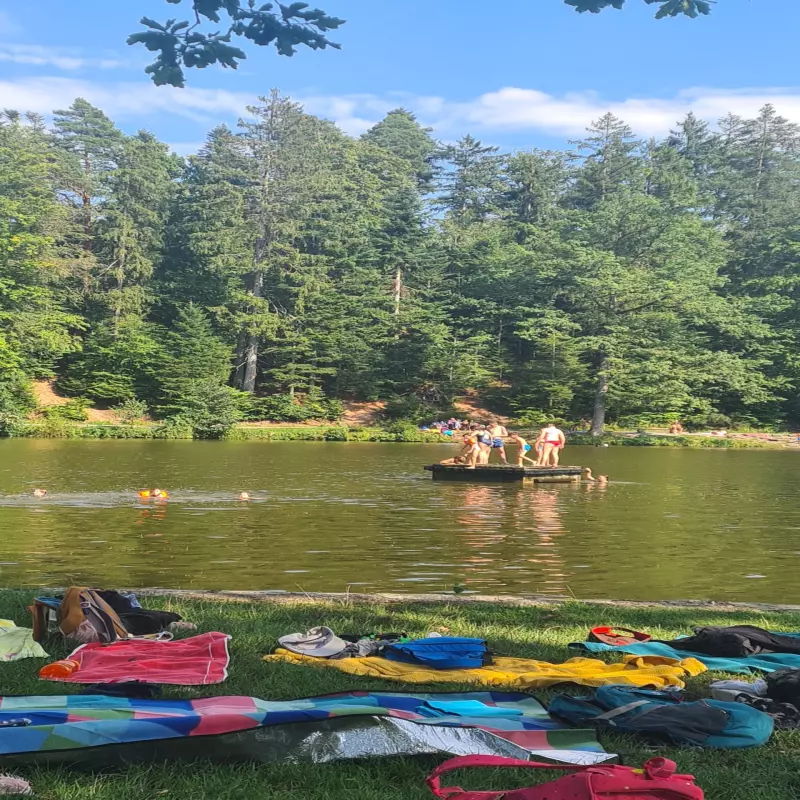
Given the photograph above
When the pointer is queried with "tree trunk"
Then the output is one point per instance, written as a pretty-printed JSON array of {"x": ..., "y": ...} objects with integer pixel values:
[
  {"x": 599, "y": 415},
  {"x": 250, "y": 364},
  {"x": 247, "y": 350},
  {"x": 241, "y": 347},
  {"x": 397, "y": 289}
]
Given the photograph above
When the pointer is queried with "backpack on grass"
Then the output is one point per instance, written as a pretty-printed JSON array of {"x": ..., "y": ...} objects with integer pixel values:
[
  {"x": 82, "y": 616},
  {"x": 656, "y": 781},
  {"x": 441, "y": 652},
  {"x": 662, "y": 715}
]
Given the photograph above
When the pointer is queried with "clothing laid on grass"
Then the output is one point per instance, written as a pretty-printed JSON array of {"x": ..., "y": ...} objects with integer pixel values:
[
  {"x": 517, "y": 673},
  {"x": 764, "y": 662},
  {"x": 737, "y": 641},
  {"x": 66, "y": 729},
  {"x": 197, "y": 661},
  {"x": 663, "y": 715},
  {"x": 785, "y": 715},
  {"x": 18, "y": 643}
]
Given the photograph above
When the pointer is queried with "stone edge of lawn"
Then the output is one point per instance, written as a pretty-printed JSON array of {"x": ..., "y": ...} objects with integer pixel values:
[{"x": 294, "y": 598}]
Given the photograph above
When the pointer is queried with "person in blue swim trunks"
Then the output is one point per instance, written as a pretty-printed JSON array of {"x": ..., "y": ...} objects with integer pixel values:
[
  {"x": 498, "y": 433},
  {"x": 524, "y": 449}
]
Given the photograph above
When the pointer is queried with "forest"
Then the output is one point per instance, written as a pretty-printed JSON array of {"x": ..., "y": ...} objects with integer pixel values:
[{"x": 287, "y": 267}]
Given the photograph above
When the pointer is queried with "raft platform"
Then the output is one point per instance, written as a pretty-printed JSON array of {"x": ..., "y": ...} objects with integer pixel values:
[{"x": 499, "y": 473}]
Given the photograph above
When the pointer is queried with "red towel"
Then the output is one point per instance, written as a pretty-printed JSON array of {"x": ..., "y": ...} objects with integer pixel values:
[{"x": 196, "y": 661}]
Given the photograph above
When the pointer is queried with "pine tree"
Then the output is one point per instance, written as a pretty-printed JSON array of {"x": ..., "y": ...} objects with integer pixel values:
[
  {"x": 130, "y": 233},
  {"x": 92, "y": 145},
  {"x": 194, "y": 374},
  {"x": 35, "y": 326},
  {"x": 400, "y": 133},
  {"x": 472, "y": 186},
  {"x": 610, "y": 161},
  {"x": 536, "y": 181}
]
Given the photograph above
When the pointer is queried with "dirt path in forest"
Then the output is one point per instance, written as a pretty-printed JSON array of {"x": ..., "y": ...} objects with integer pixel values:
[{"x": 46, "y": 395}]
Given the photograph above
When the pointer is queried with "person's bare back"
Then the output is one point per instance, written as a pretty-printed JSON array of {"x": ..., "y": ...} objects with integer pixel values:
[{"x": 498, "y": 432}]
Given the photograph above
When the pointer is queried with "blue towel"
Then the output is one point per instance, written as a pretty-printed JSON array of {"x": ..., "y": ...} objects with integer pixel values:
[
  {"x": 464, "y": 708},
  {"x": 765, "y": 662}
]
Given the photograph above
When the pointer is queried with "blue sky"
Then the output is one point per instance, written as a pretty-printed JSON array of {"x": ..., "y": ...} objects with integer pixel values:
[{"x": 533, "y": 75}]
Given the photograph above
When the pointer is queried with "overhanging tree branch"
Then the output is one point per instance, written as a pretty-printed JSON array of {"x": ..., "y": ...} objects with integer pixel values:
[
  {"x": 180, "y": 44},
  {"x": 666, "y": 8}
]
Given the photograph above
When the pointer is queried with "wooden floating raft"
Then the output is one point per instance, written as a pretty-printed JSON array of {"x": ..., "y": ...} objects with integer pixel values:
[{"x": 499, "y": 473}]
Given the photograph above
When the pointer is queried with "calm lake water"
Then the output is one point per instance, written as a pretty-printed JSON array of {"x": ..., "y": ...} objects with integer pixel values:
[{"x": 673, "y": 523}]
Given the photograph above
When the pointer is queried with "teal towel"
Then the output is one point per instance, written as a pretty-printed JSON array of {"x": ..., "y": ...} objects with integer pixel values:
[{"x": 467, "y": 708}]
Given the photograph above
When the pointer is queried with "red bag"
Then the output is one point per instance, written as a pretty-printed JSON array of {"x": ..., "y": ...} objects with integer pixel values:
[
  {"x": 616, "y": 636},
  {"x": 656, "y": 781}
]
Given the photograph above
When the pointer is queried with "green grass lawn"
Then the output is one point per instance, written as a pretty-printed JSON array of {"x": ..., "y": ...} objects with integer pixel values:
[{"x": 542, "y": 632}]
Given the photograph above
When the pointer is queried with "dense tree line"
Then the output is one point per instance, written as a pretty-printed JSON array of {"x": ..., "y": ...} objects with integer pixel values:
[{"x": 287, "y": 266}]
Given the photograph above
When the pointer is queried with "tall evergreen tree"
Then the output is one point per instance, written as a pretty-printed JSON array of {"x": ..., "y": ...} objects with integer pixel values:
[
  {"x": 194, "y": 374},
  {"x": 400, "y": 133},
  {"x": 130, "y": 233},
  {"x": 92, "y": 145},
  {"x": 609, "y": 161},
  {"x": 36, "y": 329},
  {"x": 472, "y": 185}
]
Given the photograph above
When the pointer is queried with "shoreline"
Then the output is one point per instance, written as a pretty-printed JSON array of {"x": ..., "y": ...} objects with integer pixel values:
[
  {"x": 408, "y": 435},
  {"x": 278, "y": 597}
]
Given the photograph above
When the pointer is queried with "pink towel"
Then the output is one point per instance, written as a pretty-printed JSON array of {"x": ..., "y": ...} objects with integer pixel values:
[{"x": 196, "y": 661}]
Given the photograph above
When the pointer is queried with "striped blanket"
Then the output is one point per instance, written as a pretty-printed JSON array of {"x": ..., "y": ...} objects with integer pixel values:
[{"x": 75, "y": 724}]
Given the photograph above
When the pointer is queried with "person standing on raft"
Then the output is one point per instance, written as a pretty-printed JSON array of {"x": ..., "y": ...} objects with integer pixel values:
[
  {"x": 498, "y": 432},
  {"x": 552, "y": 441},
  {"x": 524, "y": 449}
]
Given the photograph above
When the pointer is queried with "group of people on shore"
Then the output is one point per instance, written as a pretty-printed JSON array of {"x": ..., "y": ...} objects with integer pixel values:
[{"x": 480, "y": 442}]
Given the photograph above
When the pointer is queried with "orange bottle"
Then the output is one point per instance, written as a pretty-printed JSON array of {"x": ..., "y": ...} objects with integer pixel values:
[{"x": 59, "y": 669}]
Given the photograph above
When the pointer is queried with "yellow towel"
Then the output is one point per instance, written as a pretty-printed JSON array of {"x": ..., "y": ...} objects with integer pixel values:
[{"x": 517, "y": 673}]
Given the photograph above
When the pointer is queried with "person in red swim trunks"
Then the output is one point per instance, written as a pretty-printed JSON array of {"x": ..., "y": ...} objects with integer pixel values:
[{"x": 552, "y": 440}]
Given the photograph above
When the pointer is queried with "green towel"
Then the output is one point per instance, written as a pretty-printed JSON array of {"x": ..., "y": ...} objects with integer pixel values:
[{"x": 17, "y": 643}]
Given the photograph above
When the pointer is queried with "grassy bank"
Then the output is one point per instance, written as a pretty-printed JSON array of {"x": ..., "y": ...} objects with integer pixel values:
[
  {"x": 58, "y": 429},
  {"x": 656, "y": 440},
  {"x": 542, "y": 632}
]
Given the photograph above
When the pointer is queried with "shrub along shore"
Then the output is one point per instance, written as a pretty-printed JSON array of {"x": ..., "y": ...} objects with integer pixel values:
[
  {"x": 398, "y": 432},
  {"x": 514, "y": 628}
]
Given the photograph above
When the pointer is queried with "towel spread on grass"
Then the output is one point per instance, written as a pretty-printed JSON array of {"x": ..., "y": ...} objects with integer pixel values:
[
  {"x": 197, "y": 661},
  {"x": 18, "y": 643},
  {"x": 517, "y": 673},
  {"x": 78, "y": 721},
  {"x": 746, "y": 665}
]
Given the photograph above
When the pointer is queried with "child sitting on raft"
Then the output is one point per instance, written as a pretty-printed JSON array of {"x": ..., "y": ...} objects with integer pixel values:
[{"x": 469, "y": 454}]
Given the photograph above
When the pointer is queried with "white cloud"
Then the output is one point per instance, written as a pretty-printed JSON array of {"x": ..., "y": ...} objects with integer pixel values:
[
  {"x": 123, "y": 99},
  {"x": 514, "y": 109},
  {"x": 510, "y": 109},
  {"x": 67, "y": 59}
]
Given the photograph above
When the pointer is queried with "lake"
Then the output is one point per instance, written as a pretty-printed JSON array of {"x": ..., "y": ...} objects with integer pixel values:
[{"x": 673, "y": 524}]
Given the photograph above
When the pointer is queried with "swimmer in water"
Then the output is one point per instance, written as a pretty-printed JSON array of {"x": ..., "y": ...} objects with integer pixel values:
[
  {"x": 245, "y": 496},
  {"x": 589, "y": 477},
  {"x": 40, "y": 492},
  {"x": 153, "y": 494}
]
